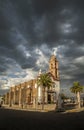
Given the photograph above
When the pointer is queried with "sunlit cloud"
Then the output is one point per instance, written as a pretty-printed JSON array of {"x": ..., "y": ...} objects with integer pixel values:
[
  {"x": 42, "y": 59},
  {"x": 79, "y": 60}
]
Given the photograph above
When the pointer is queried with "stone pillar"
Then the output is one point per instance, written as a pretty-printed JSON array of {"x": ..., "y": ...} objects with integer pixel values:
[
  {"x": 4, "y": 98},
  {"x": 39, "y": 93},
  {"x": 14, "y": 96},
  {"x": 17, "y": 95},
  {"x": 36, "y": 87},
  {"x": 26, "y": 96},
  {"x": 10, "y": 98},
  {"x": 20, "y": 95},
  {"x": 7, "y": 98}
]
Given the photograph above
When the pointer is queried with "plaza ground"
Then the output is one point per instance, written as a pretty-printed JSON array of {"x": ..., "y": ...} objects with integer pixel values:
[
  {"x": 47, "y": 108},
  {"x": 11, "y": 119}
]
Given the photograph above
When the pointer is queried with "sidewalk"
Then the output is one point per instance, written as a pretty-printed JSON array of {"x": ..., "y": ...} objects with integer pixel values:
[
  {"x": 75, "y": 110},
  {"x": 47, "y": 109}
]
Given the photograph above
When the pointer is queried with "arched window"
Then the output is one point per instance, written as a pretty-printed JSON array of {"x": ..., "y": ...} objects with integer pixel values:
[{"x": 51, "y": 66}]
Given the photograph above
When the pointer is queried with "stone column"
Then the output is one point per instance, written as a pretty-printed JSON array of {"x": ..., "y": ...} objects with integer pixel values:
[
  {"x": 36, "y": 100},
  {"x": 4, "y": 98},
  {"x": 26, "y": 95},
  {"x": 14, "y": 96},
  {"x": 39, "y": 93},
  {"x": 10, "y": 98},
  {"x": 20, "y": 94},
  {"x": 7, "y": 98}
]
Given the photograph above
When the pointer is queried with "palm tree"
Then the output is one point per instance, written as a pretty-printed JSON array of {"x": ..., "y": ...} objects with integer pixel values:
[
  {"x": 45, "y": 81},
  {"x": 77, "y": 89}
]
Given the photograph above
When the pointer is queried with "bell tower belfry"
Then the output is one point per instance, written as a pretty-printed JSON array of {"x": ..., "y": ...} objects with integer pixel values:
[{"x": 53, "y": 67}]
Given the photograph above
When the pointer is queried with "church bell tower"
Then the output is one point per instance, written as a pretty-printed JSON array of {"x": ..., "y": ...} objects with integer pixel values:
[{"x": 53, "y": 67}]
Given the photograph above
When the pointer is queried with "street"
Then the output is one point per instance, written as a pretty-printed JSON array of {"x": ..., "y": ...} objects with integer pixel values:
[{"x": 28, "y": 120}]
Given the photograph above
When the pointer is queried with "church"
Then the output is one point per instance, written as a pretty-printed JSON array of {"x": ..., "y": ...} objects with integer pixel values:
[{"x": 28, "y": 93}]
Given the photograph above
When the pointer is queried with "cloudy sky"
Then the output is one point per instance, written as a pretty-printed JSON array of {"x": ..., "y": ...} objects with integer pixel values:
[{"x": 31, "y": 30}]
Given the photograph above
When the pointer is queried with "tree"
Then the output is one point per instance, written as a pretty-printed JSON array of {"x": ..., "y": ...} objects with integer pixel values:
[
  {"x": 45, "y": 81},
  {"x": 63, "y": 96},
  {"x": 77, "y": 89}
]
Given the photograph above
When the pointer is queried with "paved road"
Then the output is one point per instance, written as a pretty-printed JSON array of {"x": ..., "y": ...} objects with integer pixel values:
[{"x": 27, "y": 120}]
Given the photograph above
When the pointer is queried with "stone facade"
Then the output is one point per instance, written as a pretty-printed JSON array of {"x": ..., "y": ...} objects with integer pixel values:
[{"x": 29, "y": 93}]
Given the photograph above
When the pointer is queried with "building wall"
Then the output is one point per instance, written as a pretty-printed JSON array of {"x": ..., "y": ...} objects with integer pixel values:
[{"x": 30, "y": 93}]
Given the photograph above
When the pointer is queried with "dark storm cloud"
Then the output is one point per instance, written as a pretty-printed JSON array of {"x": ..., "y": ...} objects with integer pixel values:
[
  {"x": 26, "y": 25},
  {"x": 73, "y": 50}
]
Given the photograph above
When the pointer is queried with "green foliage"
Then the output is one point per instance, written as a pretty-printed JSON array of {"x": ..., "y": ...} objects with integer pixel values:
[
  {"x": 63, "y": 96},
  {"x": 45, "y": 81},
  {"x": 76, "y": 87}
]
